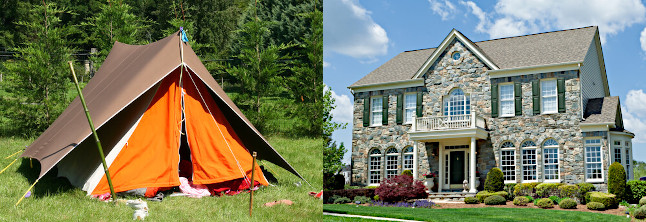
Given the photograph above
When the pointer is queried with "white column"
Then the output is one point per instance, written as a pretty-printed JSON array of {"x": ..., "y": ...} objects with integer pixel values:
[
  {"x": 413, "y": 127},
  {"x": 472, "y": 166},
  {"x": 415, "y": 163},
  {"x": 441, "y": 171}
]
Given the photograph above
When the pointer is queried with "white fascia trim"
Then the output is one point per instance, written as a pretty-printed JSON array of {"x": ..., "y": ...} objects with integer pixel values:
[
  {"x": 388, "y": 85},
  {"x": 616, "y": 133},
  {"x": 591, "y": 127},
  {"x": 452, "y": 35},
  {"x": 566, "y": 66}
]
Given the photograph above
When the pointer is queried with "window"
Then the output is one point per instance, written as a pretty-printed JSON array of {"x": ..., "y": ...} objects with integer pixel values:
[
  {"x": 410, "y": 103},
  {"x": 528, "y": 151},
  {"x": 457, "y": 103},
  {"x": 548, "y": 96},
  {"x": 593, "y": 170},
  {"x": 376, "y": 111},
  {"x": 408, "y": 159},
  {"x": 551, "y": 159},
  {"x": 375, "y": 167},
  {"x": 627, "y": 163},
  {"x": 392, "y": 157},
  {"x": 508, "y": 161},
  {"x": 507, "y": 100}
]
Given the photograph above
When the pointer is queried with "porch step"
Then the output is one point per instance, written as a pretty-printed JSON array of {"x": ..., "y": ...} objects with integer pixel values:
[{"x": 449, "y": 196}]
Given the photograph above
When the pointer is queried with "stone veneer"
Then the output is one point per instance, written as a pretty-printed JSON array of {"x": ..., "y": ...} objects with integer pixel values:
[{"x": 470, "y": 74}]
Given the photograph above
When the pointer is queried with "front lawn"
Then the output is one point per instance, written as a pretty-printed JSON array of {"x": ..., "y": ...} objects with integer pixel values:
[
  {"x": 54, "y": 199},
  {"x": 471, "y": 214}
]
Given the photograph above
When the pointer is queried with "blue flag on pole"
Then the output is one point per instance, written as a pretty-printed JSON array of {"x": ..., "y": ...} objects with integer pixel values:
[{"x": 183, "y": 35}]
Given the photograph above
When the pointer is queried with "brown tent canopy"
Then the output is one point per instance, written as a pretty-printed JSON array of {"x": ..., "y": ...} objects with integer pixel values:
[{"x": 117, "y": 97}]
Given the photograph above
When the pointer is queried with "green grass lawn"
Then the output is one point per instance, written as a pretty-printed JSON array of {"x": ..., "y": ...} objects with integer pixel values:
[
  {"x": 472, "y": 214},
  {"x": 346, "y": 219},
  {"x": 55, "y": 200}
]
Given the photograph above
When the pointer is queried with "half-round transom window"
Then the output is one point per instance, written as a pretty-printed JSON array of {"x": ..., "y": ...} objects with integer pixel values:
[
  {"x": 455, "y": 56},
  {"x": 457, "y": 103}
]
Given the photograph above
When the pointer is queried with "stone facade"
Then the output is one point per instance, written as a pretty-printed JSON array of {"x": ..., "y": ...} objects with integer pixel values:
[{"x": 469, "y": 73}]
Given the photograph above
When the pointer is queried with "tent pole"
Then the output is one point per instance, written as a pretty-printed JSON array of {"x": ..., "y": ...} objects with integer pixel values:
[
  {"x": 253, "y": 171},
  {"x": 96, "y": 137},
  {"x": 8, "y": 166},
  {"x": 23, "y": 196}
]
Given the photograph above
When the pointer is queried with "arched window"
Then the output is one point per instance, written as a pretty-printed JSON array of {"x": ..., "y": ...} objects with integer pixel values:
[
  {"x": 551, "y": 160},
  {"x": 375, "y": 167},
  {"x": 408, "y": 159},
  {"x": 528, "y": 151},
  {"x": 392, "y": 159},
  {"x": 508, "y": 161},
  {"x": 457, "y": 103}
]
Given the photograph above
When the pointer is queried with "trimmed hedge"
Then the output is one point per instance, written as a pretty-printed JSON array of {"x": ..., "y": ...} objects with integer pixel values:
[
  {"x": 509, "y": 188},
  {"x": 495, "y": 200},
  {"x": 494, "y": 181},
  {"x": 608, "y": 200},
  {"x": 521, "y": 201},
  {"x": 567, "y": 203},
  {"x": 642, "y": 201},
  {"x": 407, "y": 172},
  {"x": 482, "y": 195},
  {"x": 362, "y": 199},
  {"x": 350, "y": 194},
  {"x": 617, "y": 180},
  {"x": 568, "y": 190},
  {"x": 635, "y": 190},
  {"x": 584, "y": 188},
  {"x": 640, "y": 213},
  {"x": 545, "y": 203},
  {"x": 341, "y": 200},
  {"x": 471, "y": 200},
  {"x": 548, "y": 189},
  {"x": 595, "y": 206},
  {"x": 525, "y": 189}
]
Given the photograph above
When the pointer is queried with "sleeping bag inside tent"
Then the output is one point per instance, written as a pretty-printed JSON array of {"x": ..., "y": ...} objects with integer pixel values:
[{"x": 155, "y": 106}]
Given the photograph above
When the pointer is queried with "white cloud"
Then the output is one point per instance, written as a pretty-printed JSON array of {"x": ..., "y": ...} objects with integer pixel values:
[
  {"x": 634, "y": 114},
  {"x": 444, "y": 9},
  {"x": 477, "y": 11},
  {"x": 326, "y": 64},
  {"x": 350, "y": 30},
  {"x": 642, "y": 39},
  {"x": 342, "y": 112},
  {"x": 514, "y": 17}
]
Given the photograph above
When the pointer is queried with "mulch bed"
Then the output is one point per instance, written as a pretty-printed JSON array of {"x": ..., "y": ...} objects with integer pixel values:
[{"x": 621, "y": 211}]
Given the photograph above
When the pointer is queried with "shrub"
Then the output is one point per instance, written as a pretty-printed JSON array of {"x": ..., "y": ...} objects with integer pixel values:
[
  {"x": 545, "y": 203},
  {"x": 342, "y": 200},
  {"x": 635, "y": 190},
  {"x": 332, "y": 198},
  {"x": 407, "y": 172},
  {"x": 361, "y": 199},
  {"x": 556, "y": 199},
  {"x": 521, "y": 201},
  {"x": 595, "y": 206},
  {"x": 608, "y": 200},
  {"x": 482, "y": 195},
  {"x": 568, "y": 190},
  {"x": 640, "y": 213},
  {"x": 617, "y": 180},
  {"x": 471, "y": 200},
  {"x": 547, "y": 189},
  {"x": 584, "y": 188},
  {"x": 567, "y": 203},
  {"x": 400, "y": 188},
  {"x": 376, "y": 197},
  {"x": 642, "y": 201},
  {"x": 525, "y": 189},
  {"x": 530, "y": 198},
  {"x": 339, "y": 182},
  {"x": 350, "y": 194},
  {"x": 509, "y": 188},
  {"x": 495, "y": 200},
  {"x": 494, "y": 181}
]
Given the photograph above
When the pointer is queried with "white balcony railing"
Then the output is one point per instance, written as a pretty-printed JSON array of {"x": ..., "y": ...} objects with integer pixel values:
[{"x": 448, "y": 122}]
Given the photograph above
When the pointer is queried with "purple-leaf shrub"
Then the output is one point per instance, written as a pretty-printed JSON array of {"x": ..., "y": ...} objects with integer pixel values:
[{"x": 400, "y": 188}]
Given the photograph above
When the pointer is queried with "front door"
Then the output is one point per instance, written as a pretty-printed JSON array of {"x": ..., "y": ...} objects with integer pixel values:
[{"x": 456, "y": 175}]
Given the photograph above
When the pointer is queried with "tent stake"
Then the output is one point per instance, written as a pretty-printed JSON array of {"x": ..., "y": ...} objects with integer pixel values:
[
  {"x": 253, "y": 171},
  {"x": 8, "y": 166},
  {"x": 23, "y": 196},
  {"x": 96, "y": 137}
]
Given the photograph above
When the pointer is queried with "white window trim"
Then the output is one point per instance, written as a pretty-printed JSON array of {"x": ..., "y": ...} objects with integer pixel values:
[
  {"x": 513, "y": 107},
  {"x": 585, "y": 168},
  {"x": 380, "y": 171},
  {"x": 558, "y": 165},
  {"x": 515, "y": 159},
  {"x": 396, "y": 155},
  {"x": 556, "y": 96},
  {"x": 379, "y": 123},
  {"x": 522, "y": 158},
  {"x": 404, "y": 155},
  {"x": 414, "y": 107}
]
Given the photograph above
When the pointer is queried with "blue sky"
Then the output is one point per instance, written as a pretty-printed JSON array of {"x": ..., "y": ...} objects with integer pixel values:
[{"x": 359, "y": 36}]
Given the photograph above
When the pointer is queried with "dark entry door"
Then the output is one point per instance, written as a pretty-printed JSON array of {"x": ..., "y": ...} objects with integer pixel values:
[{"x": 457, "y": 167}]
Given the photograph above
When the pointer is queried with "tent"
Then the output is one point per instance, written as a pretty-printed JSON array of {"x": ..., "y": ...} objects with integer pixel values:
[{"x": 147, "y": 101}]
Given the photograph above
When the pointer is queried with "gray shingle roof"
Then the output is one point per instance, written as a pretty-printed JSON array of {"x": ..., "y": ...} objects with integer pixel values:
[
  {"x": 601, "y": 110},
  {"x": 513, "y": 52}
]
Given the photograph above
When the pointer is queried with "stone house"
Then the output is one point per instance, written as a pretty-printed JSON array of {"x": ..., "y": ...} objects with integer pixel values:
[{"x": 536, "y": 106}]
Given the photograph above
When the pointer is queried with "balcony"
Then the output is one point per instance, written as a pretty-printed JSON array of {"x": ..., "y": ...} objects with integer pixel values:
[{"x": 445, "y": 127}]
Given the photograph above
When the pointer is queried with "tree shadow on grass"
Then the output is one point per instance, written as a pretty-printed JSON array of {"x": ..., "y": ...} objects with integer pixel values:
[{"x": 49, "y": 184}]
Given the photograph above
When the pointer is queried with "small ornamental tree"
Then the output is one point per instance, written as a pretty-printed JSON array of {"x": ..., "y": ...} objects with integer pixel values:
[
  {"x": 494, "y": 181},
  {"x": 617, "y": 180},
  {"x": 400, "y": 188}
]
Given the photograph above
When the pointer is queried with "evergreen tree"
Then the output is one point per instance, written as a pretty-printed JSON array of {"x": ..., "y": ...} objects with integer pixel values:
[
  {"x": 332, "y": 154},
  {"x": 38, "y": 78}
]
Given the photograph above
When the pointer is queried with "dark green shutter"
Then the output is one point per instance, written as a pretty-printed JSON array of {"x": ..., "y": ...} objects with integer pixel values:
[
  {"x": 419, "y": 104},
  {"x": 536, "y": 97},
  {"x": 518, "y": 99},
  {"x": 384, "y": 115},
  {"x": 400, "y": 106},
  {"x": 560, "y": 86},
  {"x": 366, "y": 111},
  {"x": 494, "y": 100}
]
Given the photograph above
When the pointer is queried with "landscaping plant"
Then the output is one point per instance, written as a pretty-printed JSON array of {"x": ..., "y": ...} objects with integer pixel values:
[
  {"x": 608, "y": 200},
  {"x": 555, "y": 199},
  {"x": 361, "y": 199},
  {"x": 640, "y": 213},
  {"x": 509, "y": 188},
  {"x": 471, "y": 200},
  {"x": 482, "y": 195},
  {"x": 568, "y": 190},
  {"x": 584, "y": 188},
  {"x": 642, "y": 201},
  {"x": 407, "y": 172},
  {"x": 635, "y": 190},
  {"x": 545, "y": 203},
  {"x": 595, "y": 206},
  {"x": 617, "y": 180},
  {"x": 495, "y": 181},
  {"x": 567, "y": 203},
  {"x": 525, "y": 189},
  {"x": 400, "y": 188},
  {"x": 548, "y": 189},
  {"x": 521, "y": 201},
  {"x": 495, "y": 200},
  {"x": 341, "y": 200}
]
